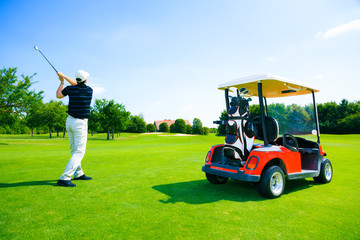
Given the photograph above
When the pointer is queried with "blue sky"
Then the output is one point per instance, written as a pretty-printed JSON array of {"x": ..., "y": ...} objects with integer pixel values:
[{"x": 164, "y": 59}]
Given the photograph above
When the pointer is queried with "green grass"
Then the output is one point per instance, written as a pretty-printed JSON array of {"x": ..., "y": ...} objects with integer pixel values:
[{"x": 152, "y": 187}]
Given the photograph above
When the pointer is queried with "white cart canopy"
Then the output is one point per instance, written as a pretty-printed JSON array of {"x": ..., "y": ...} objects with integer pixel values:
[{"x": 272, "y": 86}]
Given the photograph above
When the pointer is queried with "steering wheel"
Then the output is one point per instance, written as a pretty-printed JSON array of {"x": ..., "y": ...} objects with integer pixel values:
[{"x": 290, "y": 142}]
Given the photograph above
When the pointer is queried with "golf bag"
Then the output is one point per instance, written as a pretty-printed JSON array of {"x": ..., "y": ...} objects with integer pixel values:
[{"x": 240, "y": 132}]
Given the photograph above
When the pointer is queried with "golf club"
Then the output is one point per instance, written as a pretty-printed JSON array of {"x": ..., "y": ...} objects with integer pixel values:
[{"x": 37, "y": 49}]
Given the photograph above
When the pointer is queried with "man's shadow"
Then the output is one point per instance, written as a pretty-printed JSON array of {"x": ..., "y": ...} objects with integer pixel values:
[
  {"x": 29, "y": 183},
  {"x": 201, "y": 191}
]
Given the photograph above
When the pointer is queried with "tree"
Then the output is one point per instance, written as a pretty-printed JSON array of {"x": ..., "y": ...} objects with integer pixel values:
[
  {"x": 52, "y": 114},
  {"x": 94, "y": 121},
  {"x": 328, "y": 117},
  {"x": 33, "y": 117},
  {"x": 222, "y": 127},
  {"x": 136, "y": 124},
  {"x": 163, "y": 127},
  {"x": 212, "y": 130},
  {"x": 180, "y": 126},
  {"x": 292, "y": 118},
  {"x": 206, "y": 130},
  {"x": 60, "y": 125},
  {"x": 351, "y": 123},
  {"x": 277, "y": 111},
  {"x": 151, "y": 127},
  {"x": 15, "y": 96},
  {"x": 254, "y": 110},
  {"x": 354, "y": 107},
  {"x": 343, "y": 109},
  {"x": 189, "y": 129},
  {"x": 111, "y": 116},
  {"x": 121, "y": 119},
  {"x": 333, "y": 118},
  {"x": 197, "y": 126},
  {"x": 173, "y": 128}
]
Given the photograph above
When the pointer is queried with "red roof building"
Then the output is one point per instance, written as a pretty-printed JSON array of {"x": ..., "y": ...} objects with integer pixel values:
[{"x": 168, "y": 122}]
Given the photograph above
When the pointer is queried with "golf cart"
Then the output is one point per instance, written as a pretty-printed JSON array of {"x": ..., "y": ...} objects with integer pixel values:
[{"x": 271, "y": 160}]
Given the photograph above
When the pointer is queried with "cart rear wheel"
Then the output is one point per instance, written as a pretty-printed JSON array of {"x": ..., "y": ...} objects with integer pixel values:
[
  {"x": 214, "y": 179},
  {"x": 326, "y": 172},
  {"x": 272, "y": 183}
]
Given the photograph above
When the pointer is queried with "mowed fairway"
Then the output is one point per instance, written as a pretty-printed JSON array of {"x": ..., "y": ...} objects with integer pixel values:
[{"x": 152, "y": 187}]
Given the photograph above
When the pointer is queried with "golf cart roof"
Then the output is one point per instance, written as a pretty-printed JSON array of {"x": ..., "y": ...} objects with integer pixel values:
[{"x": 272, "y": 86}]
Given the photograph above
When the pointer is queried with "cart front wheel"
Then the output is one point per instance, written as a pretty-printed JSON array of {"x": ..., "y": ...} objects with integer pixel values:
[{"x": 326, "y": 172}]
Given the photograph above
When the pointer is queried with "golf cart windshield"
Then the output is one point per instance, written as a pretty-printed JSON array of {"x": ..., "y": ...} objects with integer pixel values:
[{"x": 296, "y": 119}]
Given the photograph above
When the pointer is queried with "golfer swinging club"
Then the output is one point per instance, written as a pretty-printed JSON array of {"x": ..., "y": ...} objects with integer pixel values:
[{"x": 80, "y": 97}]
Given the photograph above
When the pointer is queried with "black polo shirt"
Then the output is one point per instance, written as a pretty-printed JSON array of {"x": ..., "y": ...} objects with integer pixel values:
[{"x": 79, "y": 100}]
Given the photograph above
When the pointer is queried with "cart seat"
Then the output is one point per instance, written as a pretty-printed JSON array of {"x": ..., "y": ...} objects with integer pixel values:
[{"x": 271, "y": 126}]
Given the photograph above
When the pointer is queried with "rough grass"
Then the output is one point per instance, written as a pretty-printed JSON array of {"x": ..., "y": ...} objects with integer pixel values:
[{"x": 152, "y": 187}]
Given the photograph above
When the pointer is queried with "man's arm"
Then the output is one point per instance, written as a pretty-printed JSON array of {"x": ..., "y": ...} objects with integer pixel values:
[
  {"x": 60, "y": 88},
  {"x": 71, "y": 81}
]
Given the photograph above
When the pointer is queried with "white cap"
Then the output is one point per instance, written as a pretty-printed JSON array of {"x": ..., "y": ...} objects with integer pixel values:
[{"x": 82, "y": 75}]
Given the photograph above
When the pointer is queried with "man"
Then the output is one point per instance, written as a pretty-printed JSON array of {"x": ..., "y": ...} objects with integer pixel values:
[{"x": 80, "y": 97}]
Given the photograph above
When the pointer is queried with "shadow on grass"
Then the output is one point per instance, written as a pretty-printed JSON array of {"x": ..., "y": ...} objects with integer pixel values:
[
  {"x": 297, "y": 185},
  {"x": 201, "y": 191},
  {"x": 29, "y": 183}
]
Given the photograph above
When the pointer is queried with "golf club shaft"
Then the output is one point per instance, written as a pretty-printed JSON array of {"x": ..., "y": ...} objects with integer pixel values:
[{"x": 48, "y": 61}]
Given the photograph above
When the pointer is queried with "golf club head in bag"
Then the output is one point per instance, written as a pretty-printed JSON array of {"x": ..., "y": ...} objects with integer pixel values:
[{"x": 240, "y": 134}]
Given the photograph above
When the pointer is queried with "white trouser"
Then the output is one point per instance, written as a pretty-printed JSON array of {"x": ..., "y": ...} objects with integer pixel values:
[{"x": 77, "y": 130}]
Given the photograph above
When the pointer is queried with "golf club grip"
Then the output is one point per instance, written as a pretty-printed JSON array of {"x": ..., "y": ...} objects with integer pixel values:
[{"x": 48, "y": 61}]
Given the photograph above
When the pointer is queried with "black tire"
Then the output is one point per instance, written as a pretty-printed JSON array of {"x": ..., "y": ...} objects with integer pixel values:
[
  {"x": 326, "y": 172},
  {"x": 214, "y": 179},
  {"x": 272, "y": 183}
]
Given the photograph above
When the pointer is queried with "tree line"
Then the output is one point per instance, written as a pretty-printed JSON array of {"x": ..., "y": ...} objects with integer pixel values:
[
  {"x": 180, "y": 126},
  {"x": 342, "y": 118},
  {"x": 22, "y": 110}
]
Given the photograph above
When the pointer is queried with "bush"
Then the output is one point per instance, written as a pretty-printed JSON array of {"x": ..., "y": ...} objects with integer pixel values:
[
  {"x": 163, "y": 127},
  {"x": 213, "y": 130},
  {"x": 136, "y": 125},
  {"x": 2, "y": 130},
  {"x": 188, "y": 129},
  {"x": 351, "y": 123},
  {"x": 206, "y": 130},
  {"x": 197, "y": 127},
  {"x": 180, "y": 126},
  {"x": 173, "y": 128},
  {"x": 151, "y": 127}
]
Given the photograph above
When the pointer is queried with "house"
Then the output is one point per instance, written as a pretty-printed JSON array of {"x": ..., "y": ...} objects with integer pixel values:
[{"x": 168, "y": 122}]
